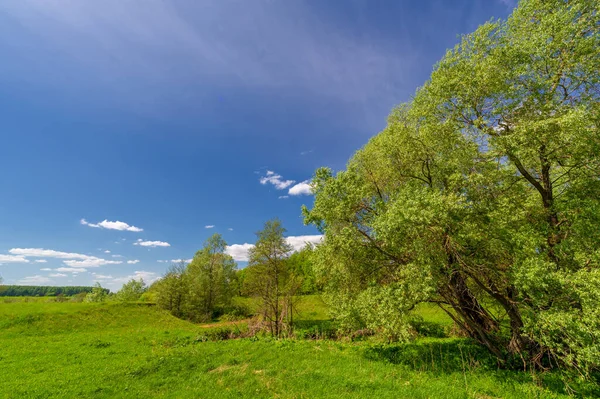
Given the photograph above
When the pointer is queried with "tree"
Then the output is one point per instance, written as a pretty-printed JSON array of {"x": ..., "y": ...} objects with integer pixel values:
[
  {"x": 482, "y": 193},
  {"x": 131, "y": 291},
  {"x": 301, "y": 265},
  {"x": 211, "y": 276},
  {"x": 268, "y": 277},
  {"x": 172, "y": 289},
  {"x": 98, "y": 294}
]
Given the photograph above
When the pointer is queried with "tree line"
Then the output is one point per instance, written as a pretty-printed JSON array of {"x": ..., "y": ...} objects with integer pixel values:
[{"x": 32, "y": 290}]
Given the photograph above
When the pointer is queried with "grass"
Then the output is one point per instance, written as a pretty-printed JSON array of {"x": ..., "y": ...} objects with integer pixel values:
[{"x": 82, "y": 350}]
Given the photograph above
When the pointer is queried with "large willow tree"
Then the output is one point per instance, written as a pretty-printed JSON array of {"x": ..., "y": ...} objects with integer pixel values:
[{"x": 482, "y": 195}]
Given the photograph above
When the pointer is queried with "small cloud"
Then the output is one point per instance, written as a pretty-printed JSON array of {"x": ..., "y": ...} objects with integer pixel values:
[
  {"x": 45, "y": 269},
  {"x": 102, "y": 276},
  {"x": 40, "y": 261},
  {"x": 299, "y": 242},
  {"x": 180, "y": 260},
  {"x": 209, "y": 226},
  {"x": 117, "y": 256},
  {"x": 71, "y": 269},
  {"x": 13, "y": 259},
  {"x": 306, "y": 152},
  {"x": 303, "y": 188},
  {"x": 92, "y": 262},
  {"x": 276, "y": 180},
  {"x": 133, "y": 262},
  {"x": 230, "y": 229},
  {"x": 118, "y": 225},
  {"x": 34, "y": 280},
  {"x": 107, "y": 251},
  {"x": 152, "y": 244},
  {"x": 57, "y": 275},
  {"x": 283, "y": 196}
]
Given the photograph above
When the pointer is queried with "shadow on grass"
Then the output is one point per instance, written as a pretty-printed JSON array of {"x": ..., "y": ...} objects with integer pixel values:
[
  {"x": 464, "y": 356},
  {"x": 315, "y": 329}
]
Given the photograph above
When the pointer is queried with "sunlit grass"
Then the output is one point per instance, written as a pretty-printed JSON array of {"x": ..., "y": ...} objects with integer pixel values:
[{"x": 81, "y": 350}]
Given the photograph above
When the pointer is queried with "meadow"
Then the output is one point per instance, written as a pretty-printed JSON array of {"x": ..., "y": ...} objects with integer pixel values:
[{"x": 112, "y": 350}]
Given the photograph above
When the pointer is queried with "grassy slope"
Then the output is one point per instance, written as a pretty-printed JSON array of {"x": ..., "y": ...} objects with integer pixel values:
[{"x": 69, "y": 350}]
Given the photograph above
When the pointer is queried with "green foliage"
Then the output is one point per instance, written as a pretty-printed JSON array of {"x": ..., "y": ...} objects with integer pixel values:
[
  {"x": 201, "y": 290},
  {"x": 30, "y": 290},
  {"x": 98, "y": 294},
  {"x": 482, "y": 195},
  {"x": 300, "y": 263},
  {"x": 172, "y": 289},
  {"x": 131, "y": 291},
  {"x": 269, "y": 278},
  {"x": 211, "y": 276}
]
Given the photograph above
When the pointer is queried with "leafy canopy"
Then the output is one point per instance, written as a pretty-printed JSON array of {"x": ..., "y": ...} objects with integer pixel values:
[{"x": 482, "y": 195}]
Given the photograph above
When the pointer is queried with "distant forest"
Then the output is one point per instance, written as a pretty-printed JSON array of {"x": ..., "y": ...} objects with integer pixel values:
[{"x": 32, "y": 290}]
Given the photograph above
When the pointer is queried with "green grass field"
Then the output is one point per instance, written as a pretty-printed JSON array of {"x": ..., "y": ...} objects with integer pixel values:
[{"x": 82, "y": 350}]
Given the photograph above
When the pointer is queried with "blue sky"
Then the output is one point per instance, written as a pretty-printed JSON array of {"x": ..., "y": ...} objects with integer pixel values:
[{"x": 173, "y": 116}]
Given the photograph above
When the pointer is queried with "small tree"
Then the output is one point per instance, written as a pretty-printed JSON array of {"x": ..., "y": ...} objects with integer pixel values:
[
  {"x": 98, "y": 294},
  {"x": 211, "y": 276},
  {"x": 131, "y": 291},
  {"x": 269, "y": 279},
  {"x": 172, "y": 290}
]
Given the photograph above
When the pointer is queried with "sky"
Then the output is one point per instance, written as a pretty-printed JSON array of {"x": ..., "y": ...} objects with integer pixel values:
[{"x": 133, "y": 130}]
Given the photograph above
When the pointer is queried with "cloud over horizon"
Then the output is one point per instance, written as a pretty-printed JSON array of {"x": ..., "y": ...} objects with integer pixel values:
[
  {"x": 70, "y": 259},
  {"x": 240, "y": 252}
]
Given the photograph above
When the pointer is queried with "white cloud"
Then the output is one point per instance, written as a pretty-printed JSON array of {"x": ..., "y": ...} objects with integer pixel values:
[
  {"x": 71, "y": 269},
  {"x": 45, "y": 269},
  {"x": 102, "y": 276},
  {"x": 180, "y": 260},
  {"x": 117, "y": 256},
  {"x": 209, "y": 226},
  {"x": 71, "y": 259},
  {"x": 148, "y": 277},
  {"x": 107, "y": 251},
  {"x": 152, "y": 244},
  {"x": 303, "y": 188},
  {"x": 239, "y": 252},
  {"x": 40, "y": 261},
  {"x": 284, "y": 196},
  {"x": 306, "y": 152},
  {"x": 105, "y": 224},
  {"x": 230, "y": 229},
  {"x": 298, "y": 242},
  {"x": 34, "y": 280},
  {"x": 13, "y": 259},
  {"x": 162, "y": 261},
  {"x": 91, "y": 262},
  {"x": 57, "y": 275},
  {"x": 276, "y": 180},
  {"x": 133, "y": 262},
  {"x": 47, "y": 253}
]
